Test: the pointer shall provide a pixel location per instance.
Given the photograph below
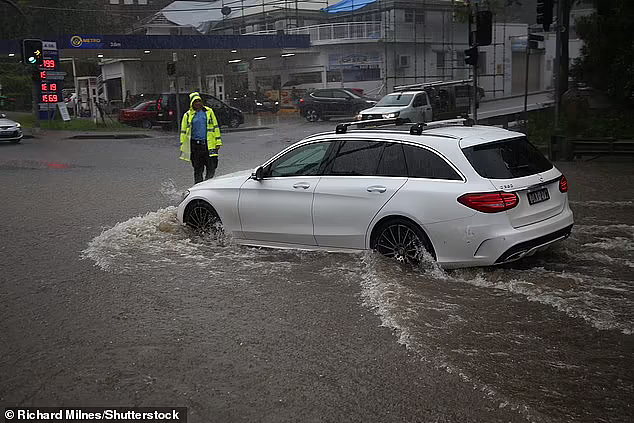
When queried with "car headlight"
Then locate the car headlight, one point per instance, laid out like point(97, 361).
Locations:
point(359, 117)
point(257, 103)
point(277, 102)
point(17, 125)
point(391, 115)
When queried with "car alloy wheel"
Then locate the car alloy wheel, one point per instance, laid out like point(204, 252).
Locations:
point(146, 124)
point(402, 240)
point(202, 218)
point(312, 115)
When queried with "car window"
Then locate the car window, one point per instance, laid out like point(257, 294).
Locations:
point(212, 102)
point(339, 94)
point(151, 107)
point(422, 163)
point(323, 93)
point(356, 158)
point(301, 161)
point(420, 100)
point(392, 162)
point(165, 101)
point(510, 158)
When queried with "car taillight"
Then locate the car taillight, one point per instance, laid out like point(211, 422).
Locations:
point(158, 104)
point(301, 101)
point(489, 202)
point(171, 112)
point(563, 184)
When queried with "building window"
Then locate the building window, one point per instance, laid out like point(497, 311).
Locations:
point(305, 78)
point(482, 63)
point(409, 16)
point(420, 17)
point(440, 60)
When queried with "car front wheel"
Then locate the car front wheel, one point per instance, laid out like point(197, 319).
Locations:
point(202, 218)
point(146, 124)
point(312, 115)
point(401, 240)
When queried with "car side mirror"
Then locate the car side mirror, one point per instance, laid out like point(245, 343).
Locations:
point(258, 175)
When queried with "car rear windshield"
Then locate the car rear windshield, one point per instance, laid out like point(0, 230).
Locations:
point(505, 159)
point(395, 100)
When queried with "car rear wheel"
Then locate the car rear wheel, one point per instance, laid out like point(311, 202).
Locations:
point(401, 240)
point(202, 218)
point(312, 115)
point(146, 124)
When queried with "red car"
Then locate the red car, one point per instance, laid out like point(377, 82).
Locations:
point(143, 114)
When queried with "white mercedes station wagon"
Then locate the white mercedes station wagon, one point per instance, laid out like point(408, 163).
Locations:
point(469, 195)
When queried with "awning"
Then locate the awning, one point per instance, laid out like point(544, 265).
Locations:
point(347, 6)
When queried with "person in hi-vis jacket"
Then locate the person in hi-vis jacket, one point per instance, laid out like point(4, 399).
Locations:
point(200, 138)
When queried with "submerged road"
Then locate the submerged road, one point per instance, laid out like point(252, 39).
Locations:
point(101, 308)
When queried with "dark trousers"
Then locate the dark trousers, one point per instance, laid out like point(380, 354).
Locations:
point(201, 160)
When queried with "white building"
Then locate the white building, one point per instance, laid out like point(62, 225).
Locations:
point(368, 44)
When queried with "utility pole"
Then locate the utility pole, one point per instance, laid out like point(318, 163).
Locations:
point(178, 103)
point(557, 76)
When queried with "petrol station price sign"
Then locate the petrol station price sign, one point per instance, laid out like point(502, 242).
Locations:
point(49, 85)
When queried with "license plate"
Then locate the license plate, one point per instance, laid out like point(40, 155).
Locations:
point(538, 196)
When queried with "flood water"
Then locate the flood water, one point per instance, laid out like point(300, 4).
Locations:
point(550, 336)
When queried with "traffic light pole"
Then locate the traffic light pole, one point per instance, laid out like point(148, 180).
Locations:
point(472, 40)
point(528, 55)
point(178, 103)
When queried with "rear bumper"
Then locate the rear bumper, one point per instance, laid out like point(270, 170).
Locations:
point(473, 243)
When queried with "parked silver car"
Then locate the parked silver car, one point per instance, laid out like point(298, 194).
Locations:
point(10, 130)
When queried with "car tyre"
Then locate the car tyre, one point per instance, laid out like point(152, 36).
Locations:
point(146, 124)
point(312, 115)
point(402, 240)
point(202, 218)
point(234, 122)
point(17, 141)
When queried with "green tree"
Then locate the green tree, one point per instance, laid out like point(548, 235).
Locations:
point(607, 56)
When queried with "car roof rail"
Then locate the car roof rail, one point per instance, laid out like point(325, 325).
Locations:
point(342, 128)
point(422, 86)
point(418, 128)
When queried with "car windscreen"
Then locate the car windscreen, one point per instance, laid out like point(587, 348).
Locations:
point(505, 159)
point(395, 100)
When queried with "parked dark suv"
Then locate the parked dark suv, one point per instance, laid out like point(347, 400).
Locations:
point(166, 105)
point(332, 102)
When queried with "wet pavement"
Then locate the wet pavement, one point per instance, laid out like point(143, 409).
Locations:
point(101, 307)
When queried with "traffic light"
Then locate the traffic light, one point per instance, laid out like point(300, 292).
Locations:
point(32, 52)
point(545, 13)
point(484, 28)
point(533, 41)
point(171, 68)
point(471, 56)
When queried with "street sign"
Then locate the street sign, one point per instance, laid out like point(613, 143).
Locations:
point(63, 111)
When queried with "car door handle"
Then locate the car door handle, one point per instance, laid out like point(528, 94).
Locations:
point(304, 185)
point(377, 188)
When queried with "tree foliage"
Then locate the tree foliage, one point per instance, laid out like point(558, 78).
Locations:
point(607, 56)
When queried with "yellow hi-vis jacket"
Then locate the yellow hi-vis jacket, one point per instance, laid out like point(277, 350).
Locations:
point(213, 130)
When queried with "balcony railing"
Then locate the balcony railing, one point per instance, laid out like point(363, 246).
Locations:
point(335, 32)
point(361, 31)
